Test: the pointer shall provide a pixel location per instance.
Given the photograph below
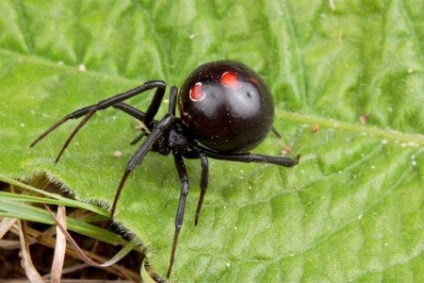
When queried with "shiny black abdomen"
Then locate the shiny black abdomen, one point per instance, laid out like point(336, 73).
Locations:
point(226, 106)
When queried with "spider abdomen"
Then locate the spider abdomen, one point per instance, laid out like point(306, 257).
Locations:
point(226, 106)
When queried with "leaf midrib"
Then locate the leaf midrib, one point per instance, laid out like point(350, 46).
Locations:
point(386, 135)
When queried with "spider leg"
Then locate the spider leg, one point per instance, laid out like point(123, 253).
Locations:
point(89, 111)
point(138, 157)
point(139, 137)
point(179, 218)
point(172, 100)
point(249, 157)
point(139, 115)
point(277, 133)
point(130, 110)
point(203, 185)
point(158, 129)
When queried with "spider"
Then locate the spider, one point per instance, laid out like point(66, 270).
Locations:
point(225, 111)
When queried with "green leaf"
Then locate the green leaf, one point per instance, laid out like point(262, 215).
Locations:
point(351, 210)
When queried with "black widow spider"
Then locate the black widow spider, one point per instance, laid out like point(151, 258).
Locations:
point(226, 110)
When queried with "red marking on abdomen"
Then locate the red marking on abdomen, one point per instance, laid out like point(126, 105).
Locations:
point(229, 79)
point(196, 93)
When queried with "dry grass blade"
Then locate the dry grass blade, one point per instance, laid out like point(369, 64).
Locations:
point(125, 250)
point(60, 247)
point(5, 225)
point(30, 270)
